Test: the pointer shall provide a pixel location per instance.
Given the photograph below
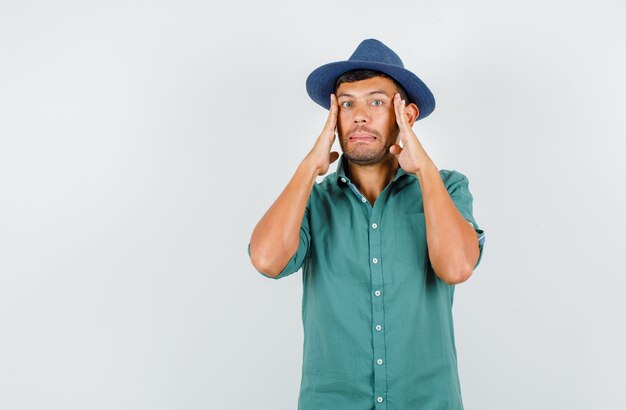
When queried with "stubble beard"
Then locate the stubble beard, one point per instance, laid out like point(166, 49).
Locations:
point(365, 154)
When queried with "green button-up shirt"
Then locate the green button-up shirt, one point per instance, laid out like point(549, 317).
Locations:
point(378, 331)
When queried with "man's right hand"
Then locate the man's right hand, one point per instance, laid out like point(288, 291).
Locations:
point(276, 237)
point(321, 156)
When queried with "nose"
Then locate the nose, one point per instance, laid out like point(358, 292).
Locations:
point(360, 115)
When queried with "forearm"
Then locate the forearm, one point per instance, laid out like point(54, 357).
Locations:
point(276, 237)
point(452, 242)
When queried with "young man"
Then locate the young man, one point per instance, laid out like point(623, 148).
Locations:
point(382, 242)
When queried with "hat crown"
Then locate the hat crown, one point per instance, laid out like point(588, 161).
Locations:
point(373, 55)
point(375, 51)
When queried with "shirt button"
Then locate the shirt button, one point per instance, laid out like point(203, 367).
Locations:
point(374, 226)
point(379, 399)
point(379, 361)
point(377, 293)
point(343, 180)
point(375, 260)
point(379, 327)
point(363, 199)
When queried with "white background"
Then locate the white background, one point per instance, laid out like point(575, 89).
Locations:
point(140, 142)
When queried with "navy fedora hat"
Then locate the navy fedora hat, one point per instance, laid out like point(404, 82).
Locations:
point(371, 54)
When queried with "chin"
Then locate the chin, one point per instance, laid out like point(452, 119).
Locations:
point(366, 158)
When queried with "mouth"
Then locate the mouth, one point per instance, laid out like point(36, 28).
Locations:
point(361, 136)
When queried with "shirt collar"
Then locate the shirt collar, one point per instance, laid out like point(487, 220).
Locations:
point(341, 171)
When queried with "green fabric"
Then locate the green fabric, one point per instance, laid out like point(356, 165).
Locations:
point(348, 363)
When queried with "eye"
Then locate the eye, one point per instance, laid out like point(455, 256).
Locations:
point(377, 103)
point(346, 104)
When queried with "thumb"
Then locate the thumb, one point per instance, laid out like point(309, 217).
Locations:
point(395, 149)
point(333, 157)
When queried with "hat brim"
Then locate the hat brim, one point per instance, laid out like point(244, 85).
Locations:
point(321, 83)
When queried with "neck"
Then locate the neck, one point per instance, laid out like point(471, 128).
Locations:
point(372, 179)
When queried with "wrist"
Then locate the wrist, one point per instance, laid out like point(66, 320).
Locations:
point(428, 168)
point(310, 166)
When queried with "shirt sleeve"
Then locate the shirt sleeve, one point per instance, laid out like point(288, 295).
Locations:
point(302, 253)
point(457, 185)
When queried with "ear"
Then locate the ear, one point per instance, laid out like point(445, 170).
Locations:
point(412, 113)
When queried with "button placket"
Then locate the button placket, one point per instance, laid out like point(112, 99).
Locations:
point(378, 315)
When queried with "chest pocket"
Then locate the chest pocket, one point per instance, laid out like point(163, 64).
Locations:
point(411, 240)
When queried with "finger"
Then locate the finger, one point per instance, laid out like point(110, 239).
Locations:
point(397, 105)
point(396, 108)
point(403, 119)
point(331, 120)
point(402, 125)
point(395, 149)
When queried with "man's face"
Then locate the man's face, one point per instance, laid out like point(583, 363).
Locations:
point(366, 122)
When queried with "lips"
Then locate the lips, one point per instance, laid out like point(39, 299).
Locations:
point(361, 136)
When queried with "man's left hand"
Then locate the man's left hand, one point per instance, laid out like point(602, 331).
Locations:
point(411, 155)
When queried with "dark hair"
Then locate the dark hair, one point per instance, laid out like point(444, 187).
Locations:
point(363, 74)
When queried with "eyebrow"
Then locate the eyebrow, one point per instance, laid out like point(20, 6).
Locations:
point(370, 93)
